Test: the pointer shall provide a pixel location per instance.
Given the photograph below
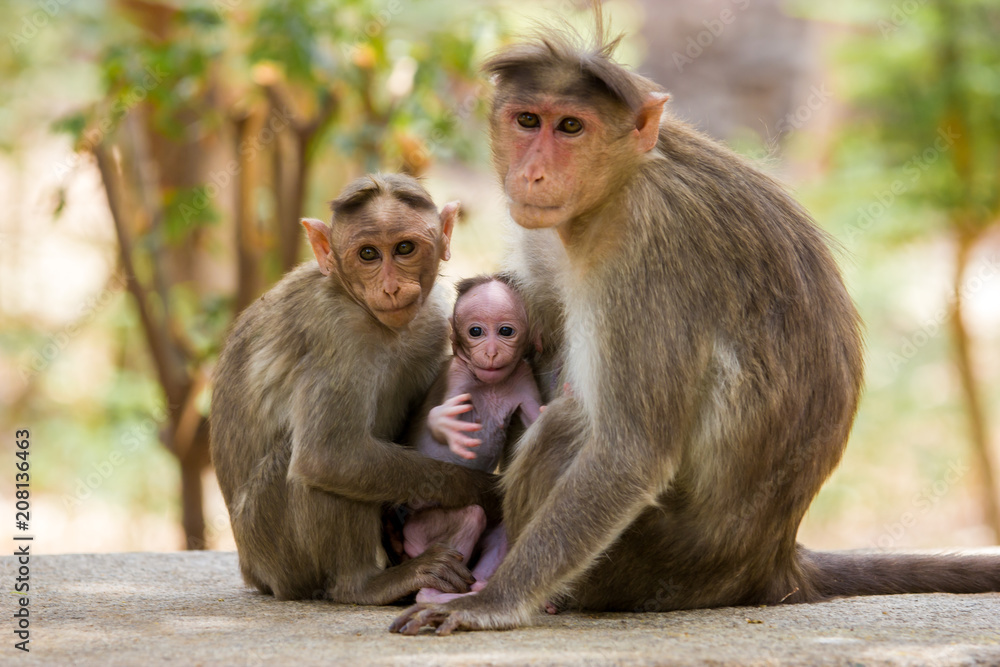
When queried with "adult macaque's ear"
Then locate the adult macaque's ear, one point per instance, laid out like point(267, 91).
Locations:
point(647, 121)
point(319, 239)
point(449, 214)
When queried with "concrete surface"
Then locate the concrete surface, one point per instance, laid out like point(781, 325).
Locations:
point(192, 608)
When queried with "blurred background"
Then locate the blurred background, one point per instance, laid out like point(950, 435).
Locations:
point(155, 158)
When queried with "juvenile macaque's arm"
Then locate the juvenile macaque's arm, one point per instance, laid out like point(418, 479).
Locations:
point(341, 456)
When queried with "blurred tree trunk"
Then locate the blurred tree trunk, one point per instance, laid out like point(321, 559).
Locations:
point(145, 168)
point(979, 431)
point(968, 222)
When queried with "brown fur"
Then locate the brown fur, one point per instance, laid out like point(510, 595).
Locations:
point(310, 393)
point(715, 359)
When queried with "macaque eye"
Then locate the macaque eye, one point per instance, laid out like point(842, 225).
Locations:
point(475, 332)
point(405, 248)
point(527, 120)
point(506, 331)
point(570, 126)
point(368, 254)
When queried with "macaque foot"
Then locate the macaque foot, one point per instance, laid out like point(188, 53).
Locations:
point(434, 596)
point(469, 612)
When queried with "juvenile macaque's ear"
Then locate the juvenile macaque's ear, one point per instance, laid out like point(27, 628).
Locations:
point(647, 121)
point(449, 214)
point(319, 238)
point(454, 336)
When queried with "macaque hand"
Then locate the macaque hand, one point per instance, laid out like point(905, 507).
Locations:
point(448, 430)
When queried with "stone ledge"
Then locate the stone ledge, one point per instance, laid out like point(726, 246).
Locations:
point(192, 608)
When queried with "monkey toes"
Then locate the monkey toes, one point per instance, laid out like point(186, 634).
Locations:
point(470, 612)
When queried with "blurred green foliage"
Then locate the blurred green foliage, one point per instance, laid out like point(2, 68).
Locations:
point(366, 84)
point(912, 176)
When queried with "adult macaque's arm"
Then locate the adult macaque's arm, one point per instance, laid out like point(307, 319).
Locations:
point(334, 450)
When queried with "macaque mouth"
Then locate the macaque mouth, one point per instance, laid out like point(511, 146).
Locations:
point(489, 373)
point(395, 309)
point(540, 207)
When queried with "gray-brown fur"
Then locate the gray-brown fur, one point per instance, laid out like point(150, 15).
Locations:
point(715, 360)
point(311, 392)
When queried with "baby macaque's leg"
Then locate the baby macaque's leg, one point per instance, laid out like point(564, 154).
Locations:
point(459, 529)
point(494, 548)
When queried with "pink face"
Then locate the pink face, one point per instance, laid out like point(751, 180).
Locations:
point(491, 331)
point(561, 158)
point(554, 157)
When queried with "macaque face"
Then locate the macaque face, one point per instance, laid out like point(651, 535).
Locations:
point(561, 156)
point(389, 262)
point(552, 154)
point(386, 255)
point(544, 147)
point(491, 332)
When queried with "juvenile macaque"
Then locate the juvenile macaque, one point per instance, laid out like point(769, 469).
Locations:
point(489, 382)
point(714, 354)
point(315, 386)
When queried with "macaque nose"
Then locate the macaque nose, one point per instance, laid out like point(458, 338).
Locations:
point(390, 285)
point(533, 172)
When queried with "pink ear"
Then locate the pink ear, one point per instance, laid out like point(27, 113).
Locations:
point(454, 337)
point(647, 121)
point(319, 239)
point(449, 214)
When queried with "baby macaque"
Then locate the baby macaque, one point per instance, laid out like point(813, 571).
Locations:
point(485, 384)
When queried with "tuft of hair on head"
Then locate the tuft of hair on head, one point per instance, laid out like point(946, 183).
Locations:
point(558, 52)
point(359, 193)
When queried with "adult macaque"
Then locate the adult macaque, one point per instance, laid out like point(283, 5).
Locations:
point(714, 354)
point(317, 380)
point(488, 381)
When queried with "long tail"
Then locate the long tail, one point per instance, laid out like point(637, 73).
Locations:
point(837, 574)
